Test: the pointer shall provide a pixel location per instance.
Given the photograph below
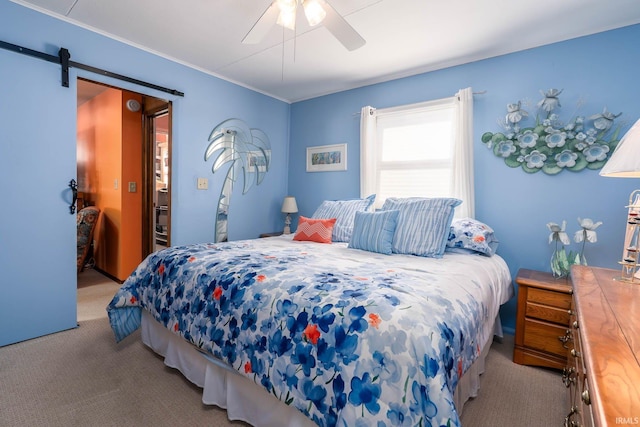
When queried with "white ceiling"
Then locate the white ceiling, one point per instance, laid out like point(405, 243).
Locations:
point(404, 37)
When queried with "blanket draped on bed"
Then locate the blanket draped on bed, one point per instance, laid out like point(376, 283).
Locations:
point(347, 337)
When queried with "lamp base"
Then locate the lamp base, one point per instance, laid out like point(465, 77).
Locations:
point(287, 223)
point(630, 273)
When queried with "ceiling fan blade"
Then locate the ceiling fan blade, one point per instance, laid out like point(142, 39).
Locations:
point(262, 25)
point(341, 29)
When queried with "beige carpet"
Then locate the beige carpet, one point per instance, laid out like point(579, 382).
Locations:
point(95, 291)
point(82, 378)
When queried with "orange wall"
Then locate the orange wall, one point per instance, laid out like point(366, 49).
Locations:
point(109, 157)
point(131, 231)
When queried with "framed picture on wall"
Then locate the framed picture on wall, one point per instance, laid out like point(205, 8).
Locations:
point(327, 158)
point(259, 159)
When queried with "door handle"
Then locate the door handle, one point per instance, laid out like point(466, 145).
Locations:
point(74, 189)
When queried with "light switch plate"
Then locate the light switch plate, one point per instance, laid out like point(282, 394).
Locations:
point(133, 187)
point(203, 183)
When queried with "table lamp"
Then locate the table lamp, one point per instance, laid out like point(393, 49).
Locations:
point(625, 163)
point(289, 206)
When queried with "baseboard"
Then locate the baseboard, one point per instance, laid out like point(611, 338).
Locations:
point(104, 273)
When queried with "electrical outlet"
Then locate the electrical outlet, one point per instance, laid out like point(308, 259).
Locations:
point(203, 184)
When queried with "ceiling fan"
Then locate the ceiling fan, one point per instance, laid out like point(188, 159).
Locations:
point(284, 13)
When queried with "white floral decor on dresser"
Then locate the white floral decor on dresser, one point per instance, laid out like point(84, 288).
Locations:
point(561, 262)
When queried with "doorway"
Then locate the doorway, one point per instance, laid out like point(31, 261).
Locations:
point(157, 166)
point(133, 188)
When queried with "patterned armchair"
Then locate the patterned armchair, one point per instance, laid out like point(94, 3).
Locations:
point(86, 224)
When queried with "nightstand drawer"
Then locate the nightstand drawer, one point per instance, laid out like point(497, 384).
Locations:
point(554, 299)
point(543, 316)
point(544, 336)
point(545, 312)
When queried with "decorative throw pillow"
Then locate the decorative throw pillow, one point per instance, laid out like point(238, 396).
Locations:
point(423, 224)
point(471, 236)
point(373, 231)
point(344, 211)
point(314, 230)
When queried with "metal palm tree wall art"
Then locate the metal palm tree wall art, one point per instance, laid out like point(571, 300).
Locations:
point(245, 149)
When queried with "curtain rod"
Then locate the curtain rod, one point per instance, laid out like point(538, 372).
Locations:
point(482, 92)
point(63, 60)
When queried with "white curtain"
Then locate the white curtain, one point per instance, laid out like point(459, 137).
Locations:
point(367, 151)
point(462, 171)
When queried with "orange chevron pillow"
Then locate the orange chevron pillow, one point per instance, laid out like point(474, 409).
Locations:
point(314, 230)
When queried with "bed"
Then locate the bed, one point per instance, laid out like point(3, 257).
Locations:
point(319, 333)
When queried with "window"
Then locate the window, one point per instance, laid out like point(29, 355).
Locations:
point(418, 150)
point(415, 152)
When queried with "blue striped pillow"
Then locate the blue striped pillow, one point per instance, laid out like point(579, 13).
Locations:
point(373, 231)
point(344, 211)
point(423, 224)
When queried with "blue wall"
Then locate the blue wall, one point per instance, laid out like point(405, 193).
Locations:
point(208, 101)
point(601, 69)
point(39, 294)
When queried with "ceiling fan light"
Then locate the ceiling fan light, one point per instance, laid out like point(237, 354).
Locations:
point(287, 19)
point(287, 6)
point(314, 11)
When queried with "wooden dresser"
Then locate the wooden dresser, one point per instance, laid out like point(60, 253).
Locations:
point(542, 320)
point(603, 372)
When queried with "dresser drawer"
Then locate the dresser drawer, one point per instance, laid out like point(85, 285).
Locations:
point(545, 312)
point(550, 298)
point(544, 336)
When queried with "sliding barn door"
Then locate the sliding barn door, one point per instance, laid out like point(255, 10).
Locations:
point(37, 230)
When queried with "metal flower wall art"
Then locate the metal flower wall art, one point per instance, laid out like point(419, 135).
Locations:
point(549, 144)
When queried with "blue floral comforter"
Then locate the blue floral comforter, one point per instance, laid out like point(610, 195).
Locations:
point(348, 337)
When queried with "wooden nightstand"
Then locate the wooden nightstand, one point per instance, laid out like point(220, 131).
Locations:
point(542, 320)
point(275, 233)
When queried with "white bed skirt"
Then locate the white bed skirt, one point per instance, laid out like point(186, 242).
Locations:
point(227, 389)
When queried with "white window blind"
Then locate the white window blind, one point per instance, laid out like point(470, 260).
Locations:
point(415, 152)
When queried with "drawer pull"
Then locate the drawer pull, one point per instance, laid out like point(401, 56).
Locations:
point(575, 324)
point(568, 376)
point(564, 339)
point(575, 353)
point(585, 397)
point(568, 422)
